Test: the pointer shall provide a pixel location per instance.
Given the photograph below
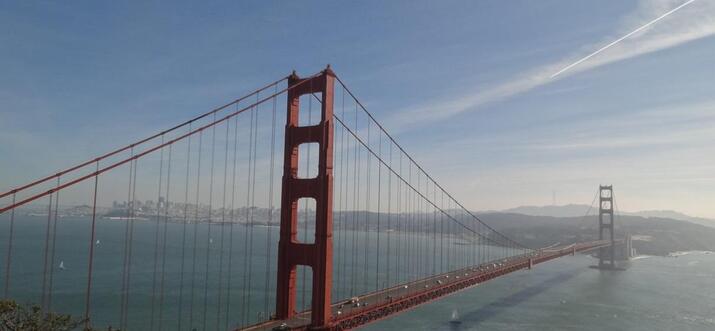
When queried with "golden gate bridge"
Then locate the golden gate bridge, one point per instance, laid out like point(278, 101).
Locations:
point(354, 231)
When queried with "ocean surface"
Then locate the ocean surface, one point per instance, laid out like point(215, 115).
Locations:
point(654, 293)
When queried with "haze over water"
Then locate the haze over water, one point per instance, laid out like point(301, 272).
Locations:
point(655, 293)
point(354, 275)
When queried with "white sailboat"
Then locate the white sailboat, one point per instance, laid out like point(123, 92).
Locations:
point(62, 265)
point(97, 243)
point(455, 318)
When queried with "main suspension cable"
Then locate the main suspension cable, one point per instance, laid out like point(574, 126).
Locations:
point(418, 166)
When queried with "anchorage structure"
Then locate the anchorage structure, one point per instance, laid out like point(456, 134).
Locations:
point(606, 255)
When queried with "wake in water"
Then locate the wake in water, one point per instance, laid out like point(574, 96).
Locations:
point(640, 257)
point(683, 253)
point(455, 318)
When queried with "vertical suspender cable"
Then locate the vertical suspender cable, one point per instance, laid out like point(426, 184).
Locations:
point(407, 225)
point(54, 245)
point(450, 241)
point(163, 241)
point(404, 214)
point(244, 292)
point(356, 205)
point(435, 230)
point(425, 229)
point(196, 233)
point(180, 315)
point(88, 293)
point(379, 191)
point(441, 234)
point(409, 214)
point(253, 206)
point(415, 228)
point(233, 220)
point(400, 229)
point(223, 225)
point(422, 257)
point(8, 259)
point(417, 205)
point(417, 234)
point(346, 194)
point(47, 245)
point(429, 230)
point(410, 243)
point(368, 163)
point(269, 244)
point(349, 226)
point(156, 235)
point(130, 242)
point(208, 230)
point(357, 214)
point(389, 218)
point(341, 211)
point(126, 242)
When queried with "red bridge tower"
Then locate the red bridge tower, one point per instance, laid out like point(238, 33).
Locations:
point(291, 253)
point(606, 255)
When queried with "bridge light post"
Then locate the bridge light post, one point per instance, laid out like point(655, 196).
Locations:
point(291, 253)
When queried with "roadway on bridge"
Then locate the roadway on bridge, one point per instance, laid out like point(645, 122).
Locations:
point(378, 305)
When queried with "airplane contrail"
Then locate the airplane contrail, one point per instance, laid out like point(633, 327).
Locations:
point(621, 38)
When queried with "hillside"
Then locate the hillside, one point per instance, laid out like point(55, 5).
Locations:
point(652, 236)
point(575, 210)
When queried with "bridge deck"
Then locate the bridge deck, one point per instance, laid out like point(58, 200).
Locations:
point(378, 305)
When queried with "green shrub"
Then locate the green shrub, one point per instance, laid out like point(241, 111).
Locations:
point(14, 316)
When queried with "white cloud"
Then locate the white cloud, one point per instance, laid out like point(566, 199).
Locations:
point(693, 22)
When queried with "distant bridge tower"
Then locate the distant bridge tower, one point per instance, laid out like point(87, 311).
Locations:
point(606, 255)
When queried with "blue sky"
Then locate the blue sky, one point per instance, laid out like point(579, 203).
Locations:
point(81, 78)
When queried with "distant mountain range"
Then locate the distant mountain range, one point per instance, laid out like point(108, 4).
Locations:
point(576, 210)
